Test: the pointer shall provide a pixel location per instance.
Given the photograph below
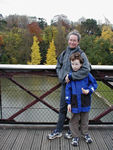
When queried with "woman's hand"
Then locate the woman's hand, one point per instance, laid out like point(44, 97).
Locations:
point(67, 79)
point(69, 107)
point(85, 91)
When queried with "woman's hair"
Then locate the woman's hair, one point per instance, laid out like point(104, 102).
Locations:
point(75, 56)
point(74, 32)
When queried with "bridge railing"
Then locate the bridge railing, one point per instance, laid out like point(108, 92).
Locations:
point(31, 94)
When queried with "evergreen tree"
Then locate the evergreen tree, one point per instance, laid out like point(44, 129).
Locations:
point(51, 54)
point(35, 54)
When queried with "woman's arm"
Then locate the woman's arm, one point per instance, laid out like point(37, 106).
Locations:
point(83, 71)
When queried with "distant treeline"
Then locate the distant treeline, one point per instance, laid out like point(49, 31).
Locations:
point(20, 36)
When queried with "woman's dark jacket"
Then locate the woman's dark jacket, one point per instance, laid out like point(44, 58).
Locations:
point(64, 67)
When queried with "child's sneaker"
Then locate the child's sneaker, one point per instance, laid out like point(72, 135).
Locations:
point(88, 139)
point(75, 141)
point(54, 135)
point(68, 135)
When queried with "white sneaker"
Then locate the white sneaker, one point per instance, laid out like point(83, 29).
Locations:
point(88, 139)
point(68, 135)
point(75, 141)
point(54, 135)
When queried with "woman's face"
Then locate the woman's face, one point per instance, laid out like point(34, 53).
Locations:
point(73, 41)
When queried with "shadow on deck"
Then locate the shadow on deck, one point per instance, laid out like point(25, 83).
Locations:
point(35, 138)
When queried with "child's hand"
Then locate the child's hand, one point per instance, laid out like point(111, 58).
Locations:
point(67, 79)
point(85, 91)
point(69, 107)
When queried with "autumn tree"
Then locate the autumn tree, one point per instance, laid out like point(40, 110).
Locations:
point(35, 30)
point(51, 54)
point(3, 56)
point(49, 33)
point(35, 54)
point(17, 21)
point(97, 50)
point(17, 46)
point(107, 33)
point(101, 53)
point(12, 43)
point(63, 19)
point(1, 40)
point(3, 25)
point(60, 40)
point(25, 48)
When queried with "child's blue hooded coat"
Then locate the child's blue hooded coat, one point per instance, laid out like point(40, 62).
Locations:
point(74, 96)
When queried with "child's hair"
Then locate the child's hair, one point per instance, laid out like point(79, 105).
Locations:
point(75, 56)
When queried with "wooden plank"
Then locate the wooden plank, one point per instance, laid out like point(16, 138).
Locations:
point(27, 143)
point(93, 145)
point(107, 137)
point(1, 132)
point(10, 140)
point(110, 132)
point(83, 145)
point(4, 135)
point(99, 140)
point(46, 144)
point(55, 144)
point(19, 140)
point(37, 141)
point(65, 143)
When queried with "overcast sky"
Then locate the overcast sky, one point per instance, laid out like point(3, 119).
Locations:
point(47, 9)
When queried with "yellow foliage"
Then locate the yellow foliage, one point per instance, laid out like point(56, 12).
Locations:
point(29, 63)
point(51, 54)
point(35, 54)
point(14, 61)
point(107, 33)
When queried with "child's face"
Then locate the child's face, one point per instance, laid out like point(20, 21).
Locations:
point(76, 65)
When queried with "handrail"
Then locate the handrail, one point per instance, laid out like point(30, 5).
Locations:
point(27, 67)
point(48, 67)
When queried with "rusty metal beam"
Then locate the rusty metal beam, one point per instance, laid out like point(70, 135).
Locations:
point(35, 101)
point(97, 118)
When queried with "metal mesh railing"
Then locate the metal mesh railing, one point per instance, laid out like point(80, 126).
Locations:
point(33, 96)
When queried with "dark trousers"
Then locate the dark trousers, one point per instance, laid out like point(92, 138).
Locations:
point(62, 111)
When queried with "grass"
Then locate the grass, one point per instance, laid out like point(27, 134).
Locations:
point(105, 91)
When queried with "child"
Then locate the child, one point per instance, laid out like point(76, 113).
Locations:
point(78, 97)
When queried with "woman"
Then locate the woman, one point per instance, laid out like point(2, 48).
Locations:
point(63, 68)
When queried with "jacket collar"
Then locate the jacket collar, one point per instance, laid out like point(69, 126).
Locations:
point(75, 49)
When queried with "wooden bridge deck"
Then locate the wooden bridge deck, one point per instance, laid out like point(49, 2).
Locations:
point(36, 139)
